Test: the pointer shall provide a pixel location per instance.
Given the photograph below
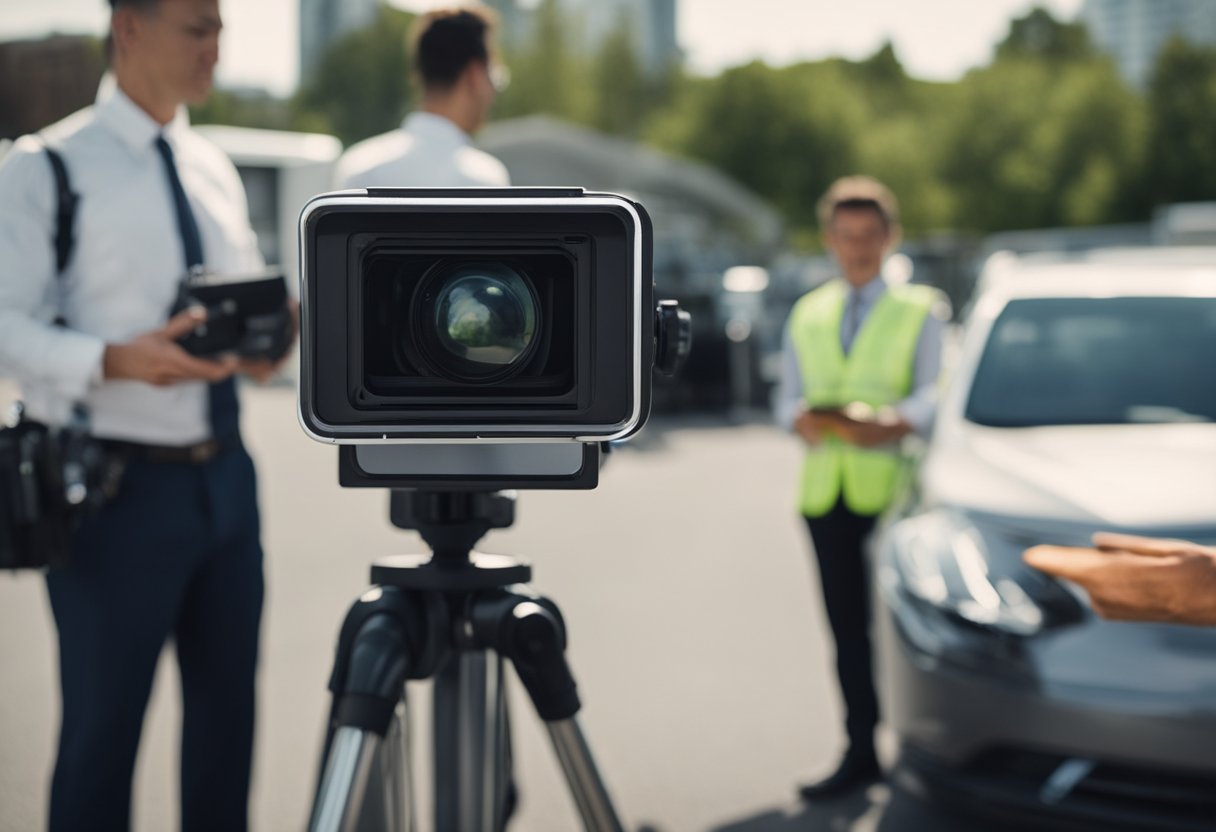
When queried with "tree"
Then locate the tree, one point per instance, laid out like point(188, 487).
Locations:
point(786, 134)
point(1182, 140)
point(362, 85)
point(1039, 35)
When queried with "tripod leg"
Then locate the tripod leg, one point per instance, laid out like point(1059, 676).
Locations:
point(373, 659)
point(529, 631)
point(471, 744)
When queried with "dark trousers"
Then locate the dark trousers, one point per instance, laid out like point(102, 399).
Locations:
point(175, 555)
point(839, 537)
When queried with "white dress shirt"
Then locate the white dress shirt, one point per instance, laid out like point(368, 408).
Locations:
point(920, 406)
point(125, 268)
point(428, 151)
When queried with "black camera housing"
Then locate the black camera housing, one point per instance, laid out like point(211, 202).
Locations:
point(559, 296)
point(246, 314)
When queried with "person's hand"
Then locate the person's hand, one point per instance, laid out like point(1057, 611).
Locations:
point(1132, 578)
point(157, 358)
point(863, 426)
point(809, 426)
point(263, 370)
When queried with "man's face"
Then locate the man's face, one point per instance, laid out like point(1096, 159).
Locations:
point(177, 44)
point(858, 238)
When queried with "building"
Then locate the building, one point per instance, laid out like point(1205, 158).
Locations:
point(651, 25)
point(1133, 31)
point(42, 81)
point(324, 21)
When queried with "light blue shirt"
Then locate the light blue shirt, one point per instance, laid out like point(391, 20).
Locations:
point(918, 409)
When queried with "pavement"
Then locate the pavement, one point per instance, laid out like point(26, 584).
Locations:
point(696, 635)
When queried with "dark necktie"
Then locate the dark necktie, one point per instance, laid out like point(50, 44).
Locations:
point(223, 411)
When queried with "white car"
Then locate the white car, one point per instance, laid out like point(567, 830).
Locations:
point(1084, 399)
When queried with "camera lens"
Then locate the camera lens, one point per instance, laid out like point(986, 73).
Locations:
point(476, 322)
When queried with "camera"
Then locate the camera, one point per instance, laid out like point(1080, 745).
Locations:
point(478, 336)
point(246, 314)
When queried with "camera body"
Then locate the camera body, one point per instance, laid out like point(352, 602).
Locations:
point(246, 314)
point(505, 319)
point(512, 329)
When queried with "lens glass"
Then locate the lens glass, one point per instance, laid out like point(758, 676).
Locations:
point(486, 317)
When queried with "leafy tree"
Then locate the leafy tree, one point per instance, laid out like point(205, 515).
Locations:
point(783, 133)
point(362, 85)
point(1040, 36)
point(1182, 140)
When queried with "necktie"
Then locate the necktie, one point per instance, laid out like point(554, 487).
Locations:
point(223, 411)
point(852, 321)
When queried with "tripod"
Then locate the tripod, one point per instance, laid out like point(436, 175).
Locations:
point(454, 618)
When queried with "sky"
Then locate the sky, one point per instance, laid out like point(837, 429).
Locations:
point(935, 39)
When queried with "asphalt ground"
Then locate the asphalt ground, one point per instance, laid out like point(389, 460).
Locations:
point(696, 635)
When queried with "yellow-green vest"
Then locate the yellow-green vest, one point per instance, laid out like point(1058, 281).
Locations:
point(877, 371)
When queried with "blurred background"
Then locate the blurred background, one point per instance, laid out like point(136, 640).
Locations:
point(1000, 125)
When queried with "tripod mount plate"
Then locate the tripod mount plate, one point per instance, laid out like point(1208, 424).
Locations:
point(479, 572)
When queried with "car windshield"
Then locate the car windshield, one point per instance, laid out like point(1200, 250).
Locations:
point(1091, 361)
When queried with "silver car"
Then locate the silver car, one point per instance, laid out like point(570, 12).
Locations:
point(1084, 399)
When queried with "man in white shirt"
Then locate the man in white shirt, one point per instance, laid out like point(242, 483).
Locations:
point(453, 58)
point(176, 553)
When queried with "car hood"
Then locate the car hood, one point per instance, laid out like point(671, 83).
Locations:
point(1116, 476)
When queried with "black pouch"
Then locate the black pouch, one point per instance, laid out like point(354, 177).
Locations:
point(51, 479)
point(246, 314)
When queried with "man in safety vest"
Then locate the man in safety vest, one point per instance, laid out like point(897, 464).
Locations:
point(860, 372)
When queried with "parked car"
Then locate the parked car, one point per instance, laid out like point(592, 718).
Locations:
point(1084, 400)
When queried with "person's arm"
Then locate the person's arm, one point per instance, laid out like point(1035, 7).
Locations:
point(65, 360)
point(1132, 578)
point(31, 348)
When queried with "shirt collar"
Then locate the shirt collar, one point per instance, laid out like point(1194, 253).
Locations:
point(434, 127)
point(870, 292)
point(127, 120)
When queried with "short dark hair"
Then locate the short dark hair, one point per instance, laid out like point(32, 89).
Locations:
point(852, 193)
point(445, 41)
point(142, 5)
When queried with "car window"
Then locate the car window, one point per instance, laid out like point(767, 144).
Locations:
point(1083, 361)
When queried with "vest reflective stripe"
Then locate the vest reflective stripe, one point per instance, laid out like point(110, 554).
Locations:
point(877, 371)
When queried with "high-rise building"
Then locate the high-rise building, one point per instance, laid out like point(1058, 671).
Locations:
point(1133, 31)
point(324, 21)
point(651, 25)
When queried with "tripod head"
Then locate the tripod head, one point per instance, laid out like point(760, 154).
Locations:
point(451, 522)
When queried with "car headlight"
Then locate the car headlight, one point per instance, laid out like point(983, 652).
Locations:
point(941, 559)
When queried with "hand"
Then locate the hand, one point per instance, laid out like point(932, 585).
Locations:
point(1138, 578)
point(157, 358)
point(865, 427)
point(810, 426)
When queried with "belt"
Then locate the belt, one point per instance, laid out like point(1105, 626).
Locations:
point(200, 453)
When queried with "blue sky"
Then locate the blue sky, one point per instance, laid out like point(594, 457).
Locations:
point(936, 39)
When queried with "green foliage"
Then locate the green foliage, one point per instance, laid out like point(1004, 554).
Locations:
point(1040, 36)
point(362, 86)
point(1032, 145)
point(1182, 141)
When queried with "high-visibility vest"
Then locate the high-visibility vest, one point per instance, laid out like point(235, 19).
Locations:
point(877, 371)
